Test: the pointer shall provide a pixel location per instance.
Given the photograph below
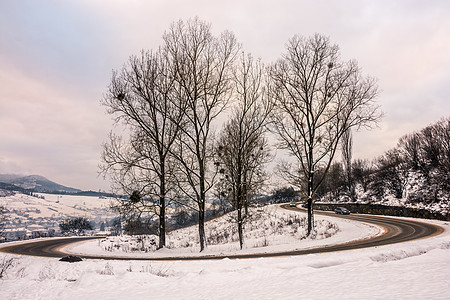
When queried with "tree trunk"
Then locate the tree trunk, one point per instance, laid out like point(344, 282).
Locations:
point(239, 202)
point(245, 194)
point(162, 205)
point(310, 216)
point(310, 202)
point(201, 202)
point(241, 238)
point(201, 224)
point(162, 222)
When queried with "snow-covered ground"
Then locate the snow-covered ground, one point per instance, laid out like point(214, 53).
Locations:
point(53, 205)
point(274, 230)
point(413, 270)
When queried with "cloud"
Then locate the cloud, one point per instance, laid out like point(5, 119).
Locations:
point(50, 129)
point(56, 59)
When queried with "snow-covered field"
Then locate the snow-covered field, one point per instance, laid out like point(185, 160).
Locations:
point(413, 270)
point(53, 205)
point(44, 212)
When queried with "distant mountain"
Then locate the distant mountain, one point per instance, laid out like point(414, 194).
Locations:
point(34, 183)
point(12, 187)
point(7, 177)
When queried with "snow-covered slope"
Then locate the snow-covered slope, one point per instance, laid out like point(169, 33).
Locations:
point(47, 210)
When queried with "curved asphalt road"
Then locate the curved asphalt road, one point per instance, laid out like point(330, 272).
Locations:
point(396, 231)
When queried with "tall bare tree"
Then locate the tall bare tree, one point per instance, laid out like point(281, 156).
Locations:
point(346, 151)
point(141, 96)
point(318, 98)
point(361, 171)
point(242, 147)
point(203, 83)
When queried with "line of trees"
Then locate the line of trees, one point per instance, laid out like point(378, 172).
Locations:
point(75, 225)
point(417, 170)
point(242, 147)
point(172, 98)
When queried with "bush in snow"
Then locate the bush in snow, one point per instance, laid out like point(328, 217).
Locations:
point(107, 270)
point(5, 264)
point(138, 243)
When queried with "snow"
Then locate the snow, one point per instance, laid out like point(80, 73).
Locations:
point(413, 270)
point(47, 210)
point(52, 205)
point(284, 237)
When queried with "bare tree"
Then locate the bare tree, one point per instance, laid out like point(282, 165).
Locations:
point(409, 146)
point(390, 175)
point(242, 147)
point(318, 98)
point(203, 83)
point(346, 149)
point(334, 184)
point(142, 96)
point(361, 171)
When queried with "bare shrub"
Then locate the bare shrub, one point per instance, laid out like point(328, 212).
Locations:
point(5, 264)
point(47, 272)
point(108, 270)
point(21, 273)
point(161, 271)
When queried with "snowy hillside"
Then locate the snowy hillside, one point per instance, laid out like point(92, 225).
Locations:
point(415, 174)
point(48, 210)
point(414, 184)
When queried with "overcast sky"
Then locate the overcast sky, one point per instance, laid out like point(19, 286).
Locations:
point(56, 59)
